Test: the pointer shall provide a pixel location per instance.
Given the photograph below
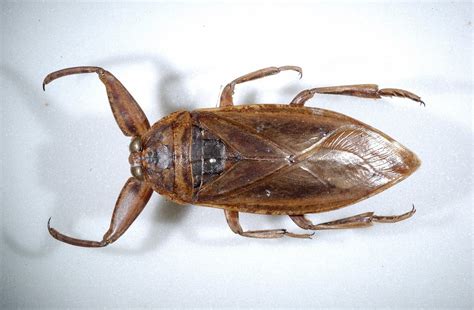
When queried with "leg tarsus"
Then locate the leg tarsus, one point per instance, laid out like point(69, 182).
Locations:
point(69, 71)
point(74, 241)
point(394, 218)
point(395, 92)
point(228, 91)
point(232, 218)
point(356, 221)
point(131, 201)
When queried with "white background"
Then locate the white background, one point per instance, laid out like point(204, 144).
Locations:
point(63, 155)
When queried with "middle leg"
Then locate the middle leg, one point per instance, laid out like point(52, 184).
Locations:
point(232, 218)
point(228, 92)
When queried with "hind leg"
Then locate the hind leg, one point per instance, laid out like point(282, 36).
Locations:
point(356, 221)
point(362, 90)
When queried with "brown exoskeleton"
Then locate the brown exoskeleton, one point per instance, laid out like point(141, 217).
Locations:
point(267, 159)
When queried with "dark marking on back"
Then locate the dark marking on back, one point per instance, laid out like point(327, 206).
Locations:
point(209, 156)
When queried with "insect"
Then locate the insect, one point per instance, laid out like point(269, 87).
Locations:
point(274, 159)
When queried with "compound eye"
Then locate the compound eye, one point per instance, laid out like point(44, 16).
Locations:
point(137, 172)
point(136, 145)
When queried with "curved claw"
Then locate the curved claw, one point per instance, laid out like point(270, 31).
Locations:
point(293, 68)
point(73, 241)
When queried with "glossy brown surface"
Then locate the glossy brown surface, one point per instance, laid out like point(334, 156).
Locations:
point(267, 159)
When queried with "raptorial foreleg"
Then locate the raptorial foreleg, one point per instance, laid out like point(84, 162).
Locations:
point(128, 114)
point(131, 201)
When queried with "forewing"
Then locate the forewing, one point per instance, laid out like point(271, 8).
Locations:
point(292, 129)
point(246, 140)
point(257, 155)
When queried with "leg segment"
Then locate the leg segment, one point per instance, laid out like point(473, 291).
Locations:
point(357, 221)
point(128, 114)
point(363, 90)
point(228, 92)
point(232, 218)
point(131, 201)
